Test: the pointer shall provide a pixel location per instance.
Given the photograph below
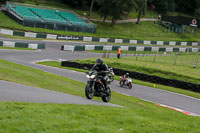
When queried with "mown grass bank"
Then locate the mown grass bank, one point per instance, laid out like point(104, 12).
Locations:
point(178, 67)
point(139, 82)
point(135, 116)
point(145, 31)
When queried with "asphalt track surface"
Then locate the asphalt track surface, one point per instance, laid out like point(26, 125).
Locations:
point(16, 92)
point(53, 52)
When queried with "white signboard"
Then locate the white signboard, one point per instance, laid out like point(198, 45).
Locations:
point(169, 49)
point(183, 43)
point(155, 49)
point(6, 32)
point(30, 34)
point(172, 43)
point(139, 48)
point(8, 44)
point(50, 36)
point(68, 48)
point(160, 42)
point(124, 48)
point(147, 42)
point(89, 47)
point(133, 41)
point(107, 48)
point(33, 46)
point(118, 41)
point(182, 49)
point(103, 40)
point(87, 39)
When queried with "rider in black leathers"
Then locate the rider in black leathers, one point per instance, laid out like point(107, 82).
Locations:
point(102, 69)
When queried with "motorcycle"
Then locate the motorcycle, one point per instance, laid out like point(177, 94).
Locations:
point(127, 82)
point(95, 87)
point(111, 75)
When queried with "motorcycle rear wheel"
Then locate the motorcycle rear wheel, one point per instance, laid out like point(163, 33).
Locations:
point(121, 83)
point(89, 93)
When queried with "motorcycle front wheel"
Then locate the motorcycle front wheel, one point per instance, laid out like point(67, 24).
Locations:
point(107, 97)
point(130, 86)
point(89, 93)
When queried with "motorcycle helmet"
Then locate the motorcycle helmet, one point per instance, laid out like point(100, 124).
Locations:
point(127, 74)
point(99, 61)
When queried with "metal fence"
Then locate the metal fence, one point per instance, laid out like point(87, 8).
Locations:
point(182, 59)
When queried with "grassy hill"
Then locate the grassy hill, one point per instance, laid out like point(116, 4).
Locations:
point(135, 116)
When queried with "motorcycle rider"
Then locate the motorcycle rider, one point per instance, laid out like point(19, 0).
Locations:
point(125, 77)
point(102, 69)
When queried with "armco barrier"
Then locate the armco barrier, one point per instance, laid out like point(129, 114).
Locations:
point(22, 45)
point(127, 48)
point(95, 39)
point(142, 76)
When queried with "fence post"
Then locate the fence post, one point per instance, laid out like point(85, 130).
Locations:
point(136, 57)
point(154, 60)
point(104, 54)
point(108, 55)
point(175, 58)
point(196, 62)
point(197, 58)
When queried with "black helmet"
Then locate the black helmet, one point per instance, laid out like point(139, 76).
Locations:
point(99, 61)
point(127, 74)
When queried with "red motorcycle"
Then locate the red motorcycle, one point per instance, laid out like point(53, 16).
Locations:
point(125, 82)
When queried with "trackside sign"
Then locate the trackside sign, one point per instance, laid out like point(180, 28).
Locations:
point(68, 38)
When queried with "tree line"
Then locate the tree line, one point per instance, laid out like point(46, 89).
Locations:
point(115, 9)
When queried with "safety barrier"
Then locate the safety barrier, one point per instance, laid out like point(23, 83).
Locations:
point(22, 45)
point(96, 39)
point(127, 48)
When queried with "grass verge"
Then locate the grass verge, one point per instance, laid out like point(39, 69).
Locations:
point(178, 67)
point(136, 115)
point(139, 82)
point(16, 48)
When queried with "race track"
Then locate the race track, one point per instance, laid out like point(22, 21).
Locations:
point(53, 52)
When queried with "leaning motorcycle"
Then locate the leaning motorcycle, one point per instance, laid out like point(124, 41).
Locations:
point(127, 82)
point(111, 75)
point(95, 87)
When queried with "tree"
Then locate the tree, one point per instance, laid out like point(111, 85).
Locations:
point(90, 12)
point(185, 6)
point(105, 8)
point(115, 8)
point(171, 5)
point(81, 4)
point(197, 9)
point(141, 6)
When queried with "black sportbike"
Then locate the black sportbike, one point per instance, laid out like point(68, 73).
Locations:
point(95, 87)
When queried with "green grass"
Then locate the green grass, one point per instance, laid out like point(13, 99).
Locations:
point(16, 48)
point(140, 117)
point(37, 78)
point(139, 82)
point(136, 116)
point(163, 67)
point(144, 31)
